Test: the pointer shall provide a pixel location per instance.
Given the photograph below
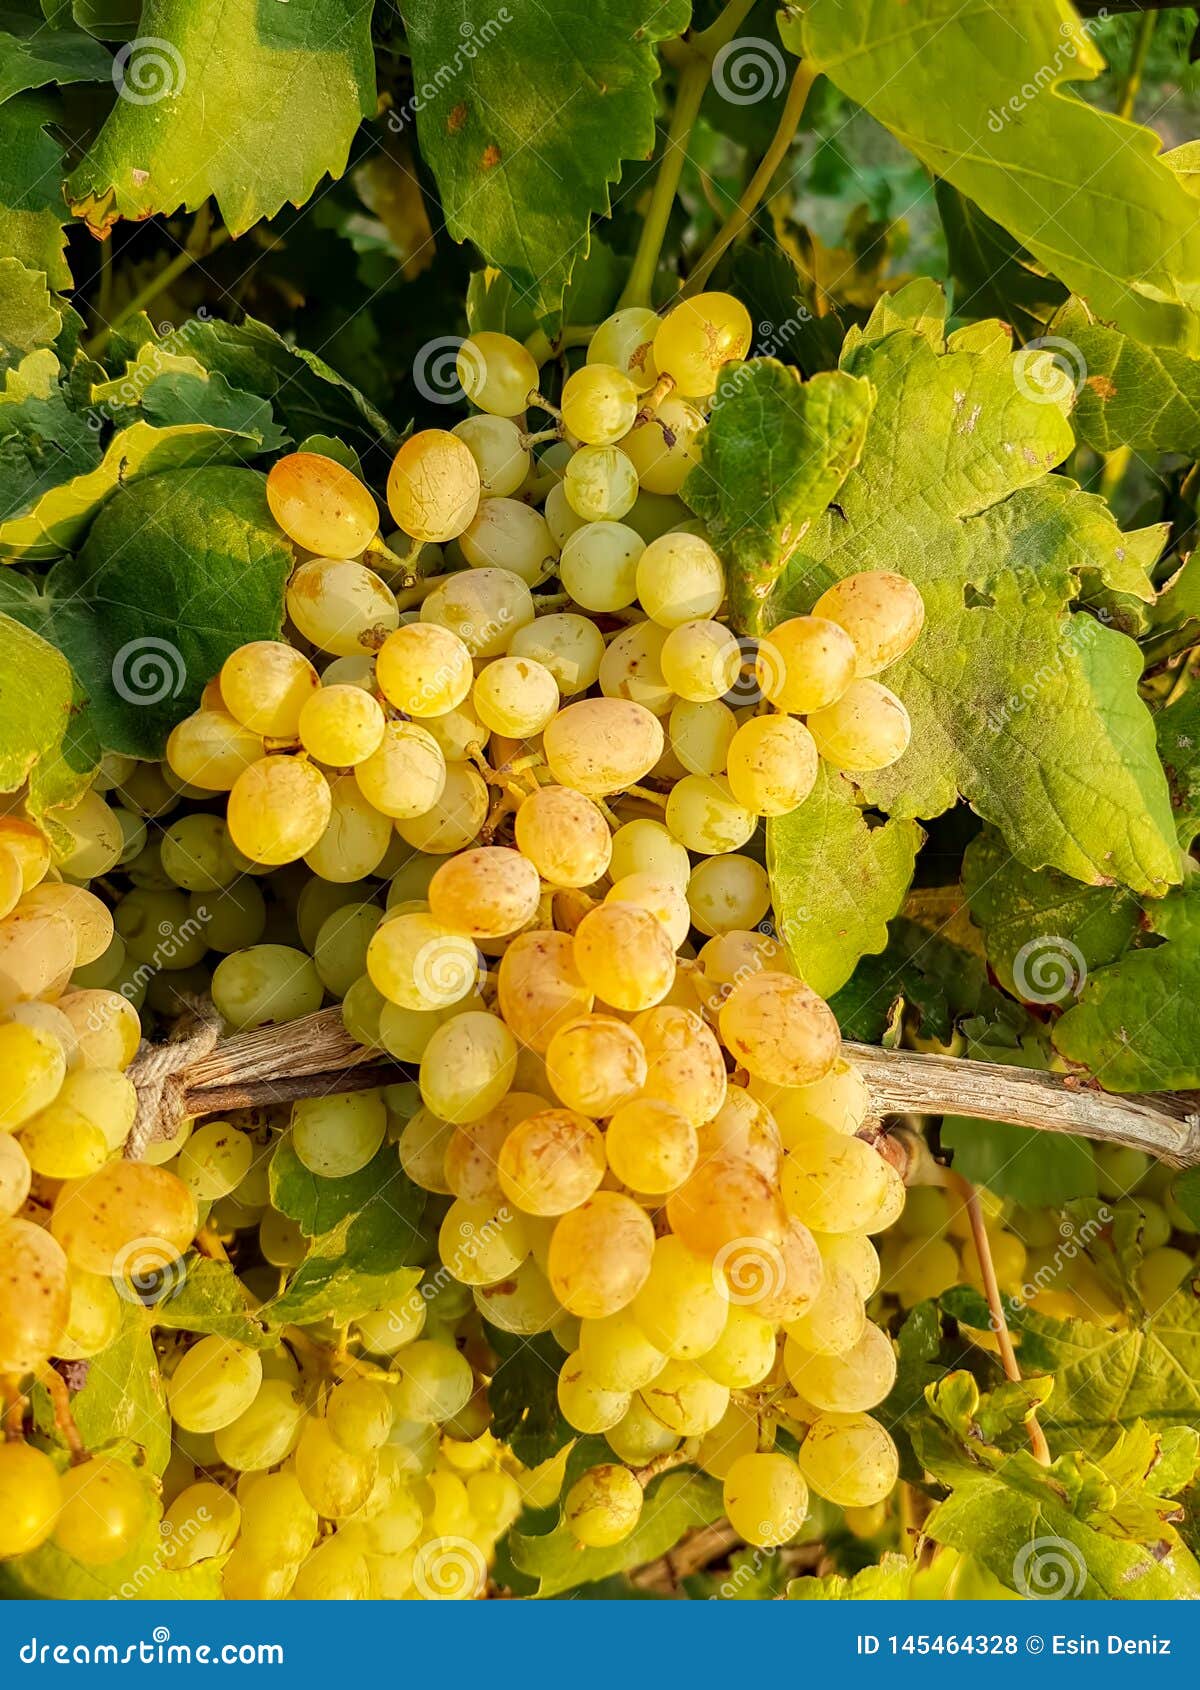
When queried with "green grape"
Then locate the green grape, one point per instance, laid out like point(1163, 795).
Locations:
point(772, 764)
point(215, 1381)
point(148, 789)
point(265, 985)
point(433, 486)
point(540, 989)
point(484, 607)
point(341, 725)
point(281, 1240)
point(600, 484)
point(663, 450)
point(158, 929)
point(357, 671)
point(455, 819)
point(645, 847)
point(15, 1175)
point(601, 745)
point(523, 1302)
point(685, 1399)
point(569, 646)
point(340, 606)
point(35, 1298)
point(683, 1305)
point(600, 1255)
point(404, 1033)
point(362, 1010)
point(587, 1405)
point(480, 1244)
point(265, 685)
point(867, 728)
point(625, 956)
point(679, 579)
point(701, 734)
point(201, 1522)
point(278, 1521)
point(508, 534)
point(638, 1437)
point(30, 1496)
point(700, 660)
point(278, 810)
point(882, 612)
point(501, 458)
point(564, 835)
point(497, 373)
point(595, 1064)
point(1119, 1169)
point(603, 1506)
point(340, 953)
point(779, 1029)
point(424, 669)
point(704, 816)
point(515, 696)
point(599, 404)
point(849, 1459)
point(848, 1383)
point(617, 1354)
point(834, 1183)
point(1160, 1274)
point(404, 776)
point(232, 919)
point(833, 1323)
point(321, 505)
point(728, 893)
point(34, 1065)
point(651, 1146)
point(334, 1481)
point(422, 1147)
point(468, 1065)
point(336, 1135)
point(435, 1383)
point(359, 1414)
point(105, 1508)
point(551, 1162)
point(766, 1498)
point(215, 1159)
point(625, 340)
point(630, 668)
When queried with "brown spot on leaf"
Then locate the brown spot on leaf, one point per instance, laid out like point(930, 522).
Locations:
point(456, 119)
point(491, 156)
point(1102, 386)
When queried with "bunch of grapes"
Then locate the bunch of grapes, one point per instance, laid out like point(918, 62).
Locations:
point(499, 799)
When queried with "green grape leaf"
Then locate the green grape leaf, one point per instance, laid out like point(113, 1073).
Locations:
point(28, 316)
point(675, 1504)
point(1185, 1189)
point(994, 276)
point(1043, 931)
point(890, 1581)
point(35, 701)
point(836, 881)
point(1179, 747)
point(526, 124)
point(307, 395)
point(123, 1398)
point(32, 211)
point(182, 397)
point(58, 519)
point(109, 20)
point(984, 100)
point(523, 1396)
point(362, 1262)
point(753, 1575)
point(1136, 1026)
point(775, 453)
point(318, 1205)
point(1144, 397)
point(145, 1573)
point(211, 1298)
point(1025, 708)
point(38, 55)
point(1042, 1170)
point(248, 103)
point(177, 571)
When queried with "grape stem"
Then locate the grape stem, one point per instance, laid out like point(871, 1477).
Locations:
point(64, 1420)
point(14, 1411)
point(747, 205)
point(995, 1303)
point(693, 80)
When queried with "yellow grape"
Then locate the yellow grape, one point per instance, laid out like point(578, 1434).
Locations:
point(405, 775)
point(595, 1064)
point(685, 1399)
point(645, 847)
point(727, 893)
point(16, 1176)
point(488, 892)
point(481, 1244)
point(551, 1161)
point(701, 660)
point(725, 1201)
point(30, 1497)
point(424, 670)
point(630, 668)
point(564, 835)
point(625, 955)
point(599, 404)
point(744, 1129)
point(29, 845)
point(515, 696)
point(510, 535)
point(468, 1065)
point(495, 444)
point(356, 837)
point(433, 486)
point(128, 1219)
point(265, 685)
point(703, 814)
point(679, 579)
point(35, 1298)
point(341, 606)
point(834, 1321)
point(497, 373)
point(805, 664)
point(867, 728)
point(626, 341)
point(215, 1382)
point(278, 809)
point(601, 745)
point(455, 819)
point(779, 1029)
point(699, 336)
point(766, 1498)
point(772, 764)
point(321, 505)
point(849, 1459)
point(34, 1065)
point(587, 1405)
point(663, 450)
point(91, 919)
point(470, 1165)
point(485, 607)
point(600, 484)
point(570, 646)
point(94, 1318)
point(683, 1305)
point(37, 955)
point(211, 748)
point(834, 1183)
point(107, 1027)
point(106, 1506)
point(598, 567)
point(843, 1384)
point(617, 1354)
point(881, 611)
point(744, 1354)
point(334, 1482)
point(603, 1506)
point(600, 1255)
point(652, 1147)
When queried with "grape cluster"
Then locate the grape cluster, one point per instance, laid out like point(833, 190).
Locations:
point(500, 798)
